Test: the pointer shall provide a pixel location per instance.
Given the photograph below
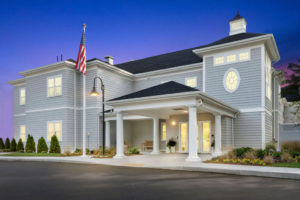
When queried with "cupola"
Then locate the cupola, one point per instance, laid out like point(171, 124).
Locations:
point(237, 25)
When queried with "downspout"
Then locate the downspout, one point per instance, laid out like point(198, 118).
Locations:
point(75, 113)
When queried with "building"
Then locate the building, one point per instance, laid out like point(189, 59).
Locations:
point(209, 99)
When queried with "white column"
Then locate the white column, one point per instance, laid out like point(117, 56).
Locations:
point(193, 155)
point(120, 136)
point(155, 136)
point(218, 136)
point(107, 134)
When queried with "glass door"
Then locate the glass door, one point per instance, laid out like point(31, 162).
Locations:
point(183, 145)
point(203, 137)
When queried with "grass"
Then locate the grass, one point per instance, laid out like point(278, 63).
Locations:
point(292, 165)
point(33, 154)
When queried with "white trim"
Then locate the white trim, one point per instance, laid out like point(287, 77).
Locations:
point(192, 77)
point(54, 87)
point(19, 115)
point(229, 53)
point(23, 88)
point(238, 81)
point(58, 108)
point(263, 130)
point(255, 109)
point(128, 117)
point(55, 121)
point(203, 73)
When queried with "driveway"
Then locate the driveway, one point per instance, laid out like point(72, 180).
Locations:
point(48, 180)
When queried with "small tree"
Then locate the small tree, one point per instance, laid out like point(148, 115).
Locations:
point(30, 145)
point(42, 146)
point(7, 143)
point(1, 144)
point(20, 146)
point(54, 145)
point(13, 145)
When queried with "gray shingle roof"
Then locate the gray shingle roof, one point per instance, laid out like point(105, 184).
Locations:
point(170, 87)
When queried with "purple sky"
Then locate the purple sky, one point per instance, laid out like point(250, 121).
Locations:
point(33, 33)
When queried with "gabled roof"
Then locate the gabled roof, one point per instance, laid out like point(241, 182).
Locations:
point(177, 58)
point(170, 87)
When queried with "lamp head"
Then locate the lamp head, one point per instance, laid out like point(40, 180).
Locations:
point(94, 92)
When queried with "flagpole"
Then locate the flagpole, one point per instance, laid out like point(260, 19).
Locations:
point(83, 111)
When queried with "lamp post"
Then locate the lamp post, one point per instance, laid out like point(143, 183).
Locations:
point(95, 93)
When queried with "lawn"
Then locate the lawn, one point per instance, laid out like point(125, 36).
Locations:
point(33, 154)
point(292, 165)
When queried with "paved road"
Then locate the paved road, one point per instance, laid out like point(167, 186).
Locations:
point(55, 181)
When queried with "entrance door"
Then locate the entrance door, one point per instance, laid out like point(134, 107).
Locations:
point(204, 137)
point(183, 145)
point(163, 136)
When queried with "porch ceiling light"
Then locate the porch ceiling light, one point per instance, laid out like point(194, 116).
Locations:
point(173, 123)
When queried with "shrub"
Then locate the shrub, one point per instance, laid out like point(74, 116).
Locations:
point(67, 153)
point(294, 154)
point(30, 145)
point(290, 146)
point(20, 146)
point(7, 144)
point(42, 146)
point(231, 155)
point(13, 145)
point(239, 152)
point(77, 150)
point(250, 155)
point(171, 143)
point(268, 160)
point(285, 157)
point(54, 145)
point(277, 155)
point(133, 150)
point(260, 153)
point(1, 144)
point(270, 148)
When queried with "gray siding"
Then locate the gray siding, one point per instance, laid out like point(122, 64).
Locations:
point(268, 125)
point(19, 109)
point(18, 121)
point(227, 136)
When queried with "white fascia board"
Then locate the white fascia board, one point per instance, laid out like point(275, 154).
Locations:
point(111, 68)
point(127, 117)
point(182, 68)
point(20, 81)
point(268, 39)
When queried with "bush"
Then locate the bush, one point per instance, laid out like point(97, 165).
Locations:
point(77, 150)
point(268, 160)
point(250, 155)
point(285, 157)
point(171, 143)
point(54, 145)
point(231, 155)
point(270, 148)
point(239, 152)
point(1, 144)
point(7, 144)
point(30, 145)
point(13, 145)
point(294, 154)
point(290, 146)
point(133, 150)
point(42, 146)
point(260, 153)
point(277, 155)
point(20, 146)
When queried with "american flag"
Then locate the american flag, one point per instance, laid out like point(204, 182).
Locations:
point(81, 59)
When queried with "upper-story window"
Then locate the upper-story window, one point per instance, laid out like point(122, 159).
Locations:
point(23, 133)
point(191, 82)
point(54, 86)
point(268, 78)
point(22, 96)
point(54, 128)
point(232, 57)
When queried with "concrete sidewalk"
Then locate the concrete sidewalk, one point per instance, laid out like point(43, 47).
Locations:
point(173, 162)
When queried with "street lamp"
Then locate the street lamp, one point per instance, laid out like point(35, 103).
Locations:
point(94, 93)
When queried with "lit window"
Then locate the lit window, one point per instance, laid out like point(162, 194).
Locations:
point(163, 131)
point(231, 58)
point(23, 133)
point(191, 82)
point(22, 96)
point(268, 78)
point(219, 60)
point(231, 80)
point(54, 128)
point(54, 86)
point(244, 56)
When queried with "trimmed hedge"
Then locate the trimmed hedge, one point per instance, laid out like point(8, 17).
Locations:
point(7, 144)
point(20, 146)
point(42, 146)
point(1, 144)
point(54, 145)
point(13, 145)
point(30, 145)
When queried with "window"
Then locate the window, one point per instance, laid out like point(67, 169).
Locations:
point(23, 133)
point(163, 131)
point(22, 96)
point(219, 60)
point(54, 86)
point(191, 82)
point(244, 56)
point(55, 128)
point(231, 80)
point(231, 58)
point(268, 78)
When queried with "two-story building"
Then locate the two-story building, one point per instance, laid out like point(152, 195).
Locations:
point(209, 98)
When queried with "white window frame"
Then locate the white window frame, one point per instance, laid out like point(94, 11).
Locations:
point(20, 133)
point(193, 77)
point(229, 53)
point(238, 81)
point(268, 77)
point(53, 77)
point(61, 124)
point(22, 104)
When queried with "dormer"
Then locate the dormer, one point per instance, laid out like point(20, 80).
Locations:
point(237, 25)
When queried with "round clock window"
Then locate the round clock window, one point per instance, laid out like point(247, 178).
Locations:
point(231, 80)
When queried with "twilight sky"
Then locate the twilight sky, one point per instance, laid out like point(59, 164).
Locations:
point(33, 33)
